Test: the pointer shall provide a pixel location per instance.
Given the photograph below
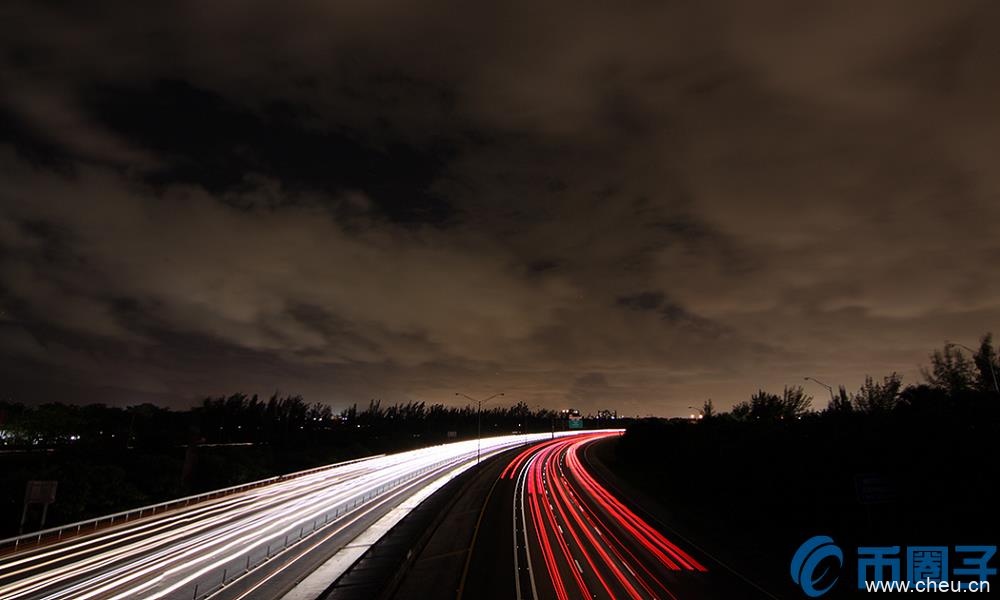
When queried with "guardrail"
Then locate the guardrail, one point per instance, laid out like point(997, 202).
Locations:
point(264, 549)
point(58, 533)
point(53, 534)
point(212, 582)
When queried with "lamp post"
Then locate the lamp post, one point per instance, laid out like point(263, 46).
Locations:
point(479, 418)
point(828, 388)
point(989, 360)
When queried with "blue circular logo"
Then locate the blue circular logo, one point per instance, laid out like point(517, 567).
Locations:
point(807, 560)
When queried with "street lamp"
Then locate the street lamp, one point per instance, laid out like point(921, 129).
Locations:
point(829, 389)
point(989, 360)
point(479, 418)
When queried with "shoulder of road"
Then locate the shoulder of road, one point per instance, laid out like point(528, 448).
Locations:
point(426, 553)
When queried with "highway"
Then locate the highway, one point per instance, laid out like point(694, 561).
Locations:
point(551, 530)
point(257, 543)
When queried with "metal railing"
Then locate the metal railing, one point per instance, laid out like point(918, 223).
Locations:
point(45, 536)
point(210, 583)
point(266, 547)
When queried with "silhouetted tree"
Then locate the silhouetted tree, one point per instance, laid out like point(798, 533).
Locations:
point(841, 403)
point(793, 403)
point(987, 365)
point(708, 409)
point(950, 371)
point(874, 397)
point(924, 399)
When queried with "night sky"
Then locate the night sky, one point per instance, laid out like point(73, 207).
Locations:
point(627, 205)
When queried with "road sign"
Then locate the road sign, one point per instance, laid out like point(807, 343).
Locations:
point(40, 492)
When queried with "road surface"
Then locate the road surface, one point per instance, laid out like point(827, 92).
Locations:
point(551, 530)
point(256, 543)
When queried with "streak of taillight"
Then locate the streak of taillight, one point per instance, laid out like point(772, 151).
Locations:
point(566, 506)
point(646, 533)
point(548, 513)
point(543, 540)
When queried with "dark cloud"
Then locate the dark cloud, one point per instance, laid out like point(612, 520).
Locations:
point(630, 206)
point(642, 301)
point(204, 139)
point(29, 144)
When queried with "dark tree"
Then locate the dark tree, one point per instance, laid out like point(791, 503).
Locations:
point(841, 403)
point(708, 409)
point(987, 365)
point(793, 403)
point(875, 397)
point(950, 371)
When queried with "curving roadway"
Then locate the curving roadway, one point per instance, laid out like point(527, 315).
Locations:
point(568, 537)
point(257, 543)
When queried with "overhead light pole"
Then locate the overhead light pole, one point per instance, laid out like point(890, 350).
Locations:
point(479, 418)
point(989, 360)
point(828, 388)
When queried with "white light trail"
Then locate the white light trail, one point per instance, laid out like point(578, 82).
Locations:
point(165, 556)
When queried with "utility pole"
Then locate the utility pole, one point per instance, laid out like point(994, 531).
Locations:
point(479, 419)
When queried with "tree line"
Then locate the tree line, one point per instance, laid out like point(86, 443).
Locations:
point(109, 458)
point(952, 380)
point(887, 462)
point(243, 418)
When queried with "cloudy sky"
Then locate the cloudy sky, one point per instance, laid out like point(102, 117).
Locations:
point(633, 205)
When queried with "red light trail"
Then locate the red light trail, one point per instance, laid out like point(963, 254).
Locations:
point(591, 544)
